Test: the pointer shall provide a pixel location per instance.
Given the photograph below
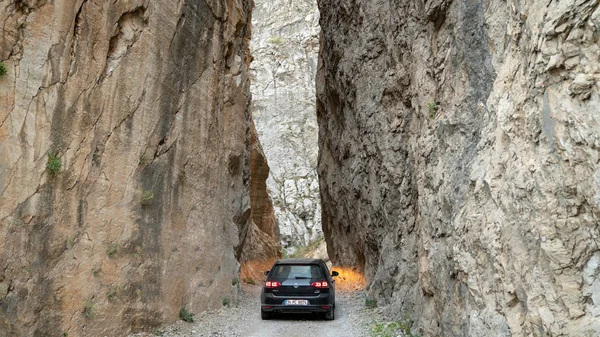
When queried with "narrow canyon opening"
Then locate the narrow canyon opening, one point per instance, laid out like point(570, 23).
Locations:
point(285, 46)
point(454, 146)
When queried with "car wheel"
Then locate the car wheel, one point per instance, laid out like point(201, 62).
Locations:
point(265, 315)
point(330, 315)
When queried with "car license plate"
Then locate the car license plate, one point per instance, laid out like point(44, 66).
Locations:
point(296, 302)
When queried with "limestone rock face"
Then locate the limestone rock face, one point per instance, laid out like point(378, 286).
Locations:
point(285, 46)
point(124, 162)
point(459, 160)
point(260, 241)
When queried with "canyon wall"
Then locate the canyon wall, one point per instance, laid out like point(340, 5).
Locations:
point(125, 150)
point(285, 43)
point(459, 160)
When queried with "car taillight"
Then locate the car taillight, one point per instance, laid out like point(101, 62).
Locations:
point(320, 284)
point(272, 284)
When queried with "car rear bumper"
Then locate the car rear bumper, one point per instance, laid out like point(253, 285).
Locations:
point(292, 309)
point(322, 303)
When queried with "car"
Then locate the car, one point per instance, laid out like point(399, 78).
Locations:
point(298, 286)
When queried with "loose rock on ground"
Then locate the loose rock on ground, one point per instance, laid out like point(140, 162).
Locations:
point(243, 320)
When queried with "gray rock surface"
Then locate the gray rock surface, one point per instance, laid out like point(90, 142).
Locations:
point(285, 46)
point(459, 160)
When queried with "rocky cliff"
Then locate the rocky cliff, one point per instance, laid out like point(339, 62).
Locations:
point(285, 45)
point(125, 147)
point(459, 160)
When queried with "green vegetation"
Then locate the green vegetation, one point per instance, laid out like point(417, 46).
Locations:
point(89, 309)
point(53, 164)
point(275, 40)
point(235, 281)
point(114, 292)
point(158, 332)
point(304, 251)
point(147, 198)
point(433, 108)
point(370, 302)
point(186, 316)
point(3, 69)
point(392, 329)
point(226, 301)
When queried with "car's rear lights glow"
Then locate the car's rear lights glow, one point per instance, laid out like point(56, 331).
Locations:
point(325, 306)
point(320, 284)
point(272, 284)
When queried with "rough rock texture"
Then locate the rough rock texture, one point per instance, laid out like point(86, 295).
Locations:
point(459, 160)
point(261, 238)
point(142, 109)
point(285, 46)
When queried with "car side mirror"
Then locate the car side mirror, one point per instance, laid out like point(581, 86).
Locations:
point(267, 273)
point(334, 273)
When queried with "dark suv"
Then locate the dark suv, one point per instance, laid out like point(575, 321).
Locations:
point(298, 286)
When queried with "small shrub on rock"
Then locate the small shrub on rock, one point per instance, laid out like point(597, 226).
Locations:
point(53, 164)
point(433, 108)
point(186, 316)
point(226, 301)
point(3, 69)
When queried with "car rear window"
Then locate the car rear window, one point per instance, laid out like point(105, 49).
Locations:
point(297, 271)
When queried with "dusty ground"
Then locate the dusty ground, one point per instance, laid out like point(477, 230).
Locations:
point(243, 320)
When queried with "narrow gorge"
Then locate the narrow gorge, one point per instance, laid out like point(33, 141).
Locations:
point(150, 149)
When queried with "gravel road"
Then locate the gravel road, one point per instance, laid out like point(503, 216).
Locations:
point(243, 320)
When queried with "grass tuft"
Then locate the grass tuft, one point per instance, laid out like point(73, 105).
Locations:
point(392, 329)
point(433, 108)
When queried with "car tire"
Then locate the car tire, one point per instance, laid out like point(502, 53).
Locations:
point(330, 315)
point(265, 315)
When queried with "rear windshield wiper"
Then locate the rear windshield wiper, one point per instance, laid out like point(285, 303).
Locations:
point(301, 277)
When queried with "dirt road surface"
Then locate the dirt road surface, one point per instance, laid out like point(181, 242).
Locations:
point(243, 320)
